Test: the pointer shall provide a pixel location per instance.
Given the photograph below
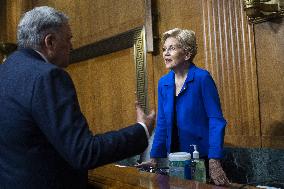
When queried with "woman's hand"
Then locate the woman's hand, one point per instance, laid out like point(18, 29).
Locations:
point(216, 172)
point(147, 164)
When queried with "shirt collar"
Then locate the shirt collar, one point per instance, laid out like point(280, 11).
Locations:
point(42, 56)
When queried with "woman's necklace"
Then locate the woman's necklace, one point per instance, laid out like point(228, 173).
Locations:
point(179, 84)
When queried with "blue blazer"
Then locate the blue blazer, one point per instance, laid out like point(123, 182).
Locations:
point(199, 116)
point(45, 141)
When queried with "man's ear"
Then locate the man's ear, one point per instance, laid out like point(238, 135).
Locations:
point(49, 46)
point(49, 41)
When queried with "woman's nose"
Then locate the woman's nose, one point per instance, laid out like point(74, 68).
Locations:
point(167, 52)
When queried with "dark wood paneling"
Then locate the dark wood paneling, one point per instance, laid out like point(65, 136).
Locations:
point(92, 21)
point(3, 18)
point(269, 42)
point(106, 88)
point(14, 10)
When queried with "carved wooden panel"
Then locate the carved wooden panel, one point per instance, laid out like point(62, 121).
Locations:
point(141, 68)
point(230, 57)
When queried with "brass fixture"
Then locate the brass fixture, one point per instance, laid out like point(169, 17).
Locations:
point(6, 49)
point(259, 11)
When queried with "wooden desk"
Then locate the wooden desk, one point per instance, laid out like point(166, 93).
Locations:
point(111, 176)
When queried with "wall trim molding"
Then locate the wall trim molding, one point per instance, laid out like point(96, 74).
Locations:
point(134, 38)
point(106, 46)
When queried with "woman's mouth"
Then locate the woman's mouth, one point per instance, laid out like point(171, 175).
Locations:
point(167, 60)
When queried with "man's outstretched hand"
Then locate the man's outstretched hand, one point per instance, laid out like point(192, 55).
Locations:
point(149, 120)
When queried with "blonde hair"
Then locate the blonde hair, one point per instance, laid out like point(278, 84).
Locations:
point(187, 39)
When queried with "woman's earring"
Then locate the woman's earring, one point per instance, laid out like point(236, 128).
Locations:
point(187, 57)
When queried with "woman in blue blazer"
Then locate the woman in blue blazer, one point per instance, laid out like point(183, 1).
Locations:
point(189, 109)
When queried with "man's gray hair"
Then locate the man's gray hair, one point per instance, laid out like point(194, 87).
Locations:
point(187, 39)
point(36, 24)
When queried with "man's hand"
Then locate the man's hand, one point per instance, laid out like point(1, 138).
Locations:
point(149, 120)
point(216, 172)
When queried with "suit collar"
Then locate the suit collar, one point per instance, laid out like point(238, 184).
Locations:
point(32, 52)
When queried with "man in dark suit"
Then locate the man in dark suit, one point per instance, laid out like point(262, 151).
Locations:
point(45, 141)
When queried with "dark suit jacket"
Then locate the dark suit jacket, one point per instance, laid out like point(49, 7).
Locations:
point(45, 141)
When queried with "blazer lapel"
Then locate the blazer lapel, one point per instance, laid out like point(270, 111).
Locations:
point(169, 88)
point(190, 76)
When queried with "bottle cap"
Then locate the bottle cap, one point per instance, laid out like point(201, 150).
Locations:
point(179, 156)
point(195, 154)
